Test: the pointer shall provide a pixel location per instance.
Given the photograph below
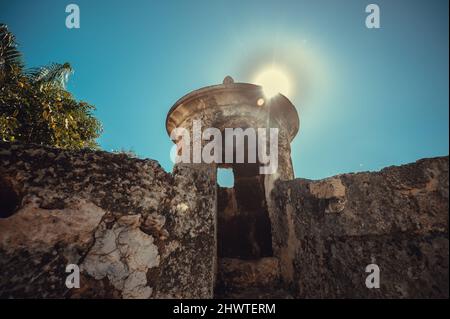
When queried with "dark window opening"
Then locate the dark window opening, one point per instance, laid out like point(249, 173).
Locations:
point(244, 229)
point(9, 199)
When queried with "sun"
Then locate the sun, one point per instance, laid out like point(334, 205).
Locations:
point(273, 81)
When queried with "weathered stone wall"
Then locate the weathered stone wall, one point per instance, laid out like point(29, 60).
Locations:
point(138, 232)
point(134, 230)
point(326, 232)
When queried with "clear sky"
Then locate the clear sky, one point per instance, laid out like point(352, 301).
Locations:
point(367, 98)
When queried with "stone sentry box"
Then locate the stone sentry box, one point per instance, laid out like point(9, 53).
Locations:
point(244, 227)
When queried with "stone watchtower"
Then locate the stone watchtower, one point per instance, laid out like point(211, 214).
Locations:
point(244, 230)
point(233, 105)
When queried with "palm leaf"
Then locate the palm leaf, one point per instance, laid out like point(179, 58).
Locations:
point(54, 74)
point(10, 56)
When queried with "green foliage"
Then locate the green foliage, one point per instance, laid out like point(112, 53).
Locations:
point(10, 57)
point(36, 108)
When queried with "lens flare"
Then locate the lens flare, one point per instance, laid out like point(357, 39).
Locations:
point(273, 81)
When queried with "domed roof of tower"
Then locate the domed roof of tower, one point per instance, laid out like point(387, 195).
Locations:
point(228, 93)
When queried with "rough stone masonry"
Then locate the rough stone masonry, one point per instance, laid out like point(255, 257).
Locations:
point(139, 232)
point(134, 230)
point(326, 232)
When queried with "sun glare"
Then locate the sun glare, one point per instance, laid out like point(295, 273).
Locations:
point(273, 81)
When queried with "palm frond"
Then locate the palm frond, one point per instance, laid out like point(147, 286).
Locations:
point(10, 56)
point(54, 74)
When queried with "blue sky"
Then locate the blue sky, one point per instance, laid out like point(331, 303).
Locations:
point(367, 98)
